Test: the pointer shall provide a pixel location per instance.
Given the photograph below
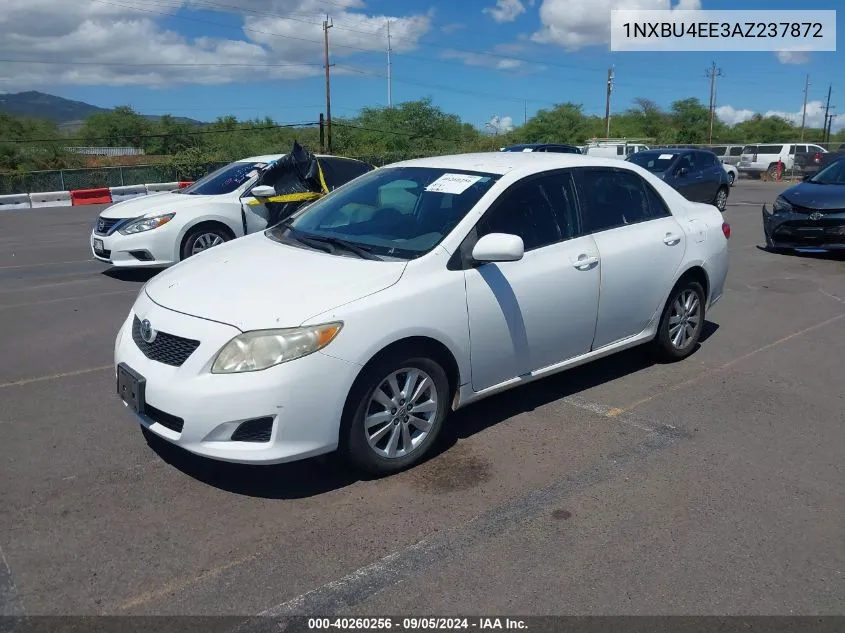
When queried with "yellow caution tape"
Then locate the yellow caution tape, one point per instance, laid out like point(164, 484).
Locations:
point(297, 197)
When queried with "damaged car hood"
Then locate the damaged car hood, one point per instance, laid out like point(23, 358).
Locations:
point(814, 196)
point(257, 283)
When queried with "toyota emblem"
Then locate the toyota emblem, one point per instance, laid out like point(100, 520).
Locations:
point(816, 216)
point(148, 334)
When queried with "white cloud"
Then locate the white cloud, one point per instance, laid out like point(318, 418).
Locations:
point(86, 41)
point(507, 10)
point(732, 116)
point(500, 124)
point(815, 115)
point(575, 24)
point(498, 58)
point(793, 57)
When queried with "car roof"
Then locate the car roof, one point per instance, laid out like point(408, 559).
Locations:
point(267, 158)
point(670, 150)
point(532, 145)
point(506, 162)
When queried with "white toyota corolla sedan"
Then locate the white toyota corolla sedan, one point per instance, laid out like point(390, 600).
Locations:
point(361, 322)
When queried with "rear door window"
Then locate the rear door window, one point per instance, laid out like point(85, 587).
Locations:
point(736, 151)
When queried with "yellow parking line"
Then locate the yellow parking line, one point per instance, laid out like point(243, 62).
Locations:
point(77, 372)
point(728, 365)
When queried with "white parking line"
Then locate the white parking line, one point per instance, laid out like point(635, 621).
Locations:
point(11, 604)
point(38, 303)
point(78, 261)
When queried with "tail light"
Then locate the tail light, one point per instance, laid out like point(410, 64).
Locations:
point(726, 229)
point(817, 157)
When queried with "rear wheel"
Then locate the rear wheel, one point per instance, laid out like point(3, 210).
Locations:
point(682, 322)
point(721, 199)
point(202, 238)
point(772, 171)
point(396, 410)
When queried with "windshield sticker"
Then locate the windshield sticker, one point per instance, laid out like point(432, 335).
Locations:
point(665, 157)
point(528, 149)
point(453, 183)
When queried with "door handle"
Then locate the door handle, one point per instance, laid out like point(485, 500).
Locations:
point(584, 261)
point(671, 239)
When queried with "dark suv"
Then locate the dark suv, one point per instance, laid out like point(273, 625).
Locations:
point(697, 174)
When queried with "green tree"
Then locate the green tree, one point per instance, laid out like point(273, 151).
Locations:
point(691, 120)
point(121, 127)
point(565, 123)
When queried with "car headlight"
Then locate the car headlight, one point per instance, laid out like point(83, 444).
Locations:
point(261, 349)
point(782, 205)
point(146, 224)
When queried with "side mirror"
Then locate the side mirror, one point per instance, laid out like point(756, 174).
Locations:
point(498, 247)
point(806, 177)
point(681, 171)
point(263, 191)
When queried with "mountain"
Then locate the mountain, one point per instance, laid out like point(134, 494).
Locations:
point(68, 114)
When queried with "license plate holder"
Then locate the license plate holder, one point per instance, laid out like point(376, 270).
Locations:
point(131, 388)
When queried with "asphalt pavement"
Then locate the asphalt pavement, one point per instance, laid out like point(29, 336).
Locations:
point(711, 486)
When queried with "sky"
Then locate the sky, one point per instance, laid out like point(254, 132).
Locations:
point(492, 62)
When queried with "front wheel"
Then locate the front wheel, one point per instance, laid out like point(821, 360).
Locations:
point(202, 238)
point(681, 323)
point(721, 199)
point(397, 409)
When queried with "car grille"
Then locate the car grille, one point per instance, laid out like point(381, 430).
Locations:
point(806, 211)
point(822, 231)
point(165, 419)
point(104, 225)
point(165, 348)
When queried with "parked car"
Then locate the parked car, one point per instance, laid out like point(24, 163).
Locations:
point(362, 322)
point(542, 147)
point(620, 149)
point(808, 163)
point(759, 159)
point(732, 172)
point(728, 154)
point(162, 229)
point(696, 173)
point(809, 217)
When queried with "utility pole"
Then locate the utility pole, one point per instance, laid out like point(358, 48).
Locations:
point(826, 113)
point(804, 111)
point(712, 73)
point(326, 26)
point(830, 124)
point(389, 68)
point(525, 112)
point(607, 102)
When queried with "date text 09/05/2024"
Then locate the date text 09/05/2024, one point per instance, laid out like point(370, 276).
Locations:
point(416, 623)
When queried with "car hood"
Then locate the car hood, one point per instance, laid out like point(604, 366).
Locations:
point(157, 203)
point(813, 196)
point(256, 283)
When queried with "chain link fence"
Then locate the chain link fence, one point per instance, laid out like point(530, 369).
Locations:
point(68, 179)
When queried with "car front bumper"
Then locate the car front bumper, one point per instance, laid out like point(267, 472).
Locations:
point(199, 411)
point(796, 231)
point(154, 249)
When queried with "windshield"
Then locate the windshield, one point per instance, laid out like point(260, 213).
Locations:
point(654, 162)
point(401, 212)
point(833, 174)
point(224, 180)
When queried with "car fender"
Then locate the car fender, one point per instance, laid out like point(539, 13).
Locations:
point(216, 213)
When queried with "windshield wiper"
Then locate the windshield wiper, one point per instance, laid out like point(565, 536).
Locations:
point(361, 251)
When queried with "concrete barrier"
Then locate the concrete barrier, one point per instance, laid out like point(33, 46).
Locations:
point(155, 187)
point(119, 194)
point(90, 196)
point(15, 201)
point(50, 199)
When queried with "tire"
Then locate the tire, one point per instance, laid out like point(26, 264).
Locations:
point(208, 234)
point(368, 399)
point(721, 199)
point(772, 171)
point(664, 342)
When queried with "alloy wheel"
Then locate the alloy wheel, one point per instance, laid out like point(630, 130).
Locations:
point(205, 241)
point(401, 413)
point(684, 320)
